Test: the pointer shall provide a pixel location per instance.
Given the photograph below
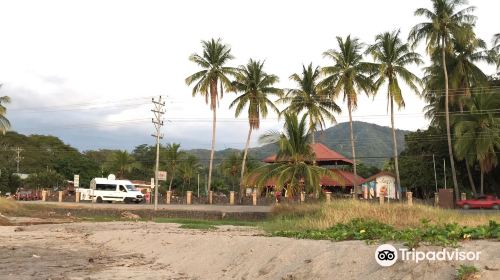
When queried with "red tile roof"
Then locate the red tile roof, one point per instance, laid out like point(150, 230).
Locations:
point(324, 156)
point(341, 178)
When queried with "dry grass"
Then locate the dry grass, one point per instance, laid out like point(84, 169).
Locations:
point(322, 216)
point(9, 206)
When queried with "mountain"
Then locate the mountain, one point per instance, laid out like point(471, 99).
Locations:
point(373, 144)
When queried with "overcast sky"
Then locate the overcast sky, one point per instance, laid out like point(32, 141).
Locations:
point(85, 71)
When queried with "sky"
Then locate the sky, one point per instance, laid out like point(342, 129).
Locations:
point(86, 71)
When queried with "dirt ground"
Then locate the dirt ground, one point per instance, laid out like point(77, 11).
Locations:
point(146, 250)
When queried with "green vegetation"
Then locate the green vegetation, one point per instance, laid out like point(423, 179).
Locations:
point(4, 122)
point(467, 272)
point(293, 169)
point(255, 86)
point(353, 220)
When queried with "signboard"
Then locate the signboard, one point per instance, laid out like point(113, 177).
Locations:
point(152, 183)
point(162, 175)
point(76, 180)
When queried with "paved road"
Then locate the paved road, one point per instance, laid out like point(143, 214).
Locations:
point(173, 207)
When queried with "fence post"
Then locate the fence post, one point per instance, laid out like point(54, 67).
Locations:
point(60, 196)
point(188, 197)
point(409, 197)
point(77, 197)
point(210, 197)
point(44, 195)
point(254, 197)
point(169, 197)
point(302, 196)
point(436, 199)
point(381, 199)
point(231, 198)
point(328, 197)
point(463, 196)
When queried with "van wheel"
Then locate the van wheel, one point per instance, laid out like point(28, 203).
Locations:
point(126, 200)
point(99, 199)
point(110, 201)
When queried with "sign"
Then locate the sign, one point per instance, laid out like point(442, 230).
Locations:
point(152, 183)
point(162, 175)
point(76, 180)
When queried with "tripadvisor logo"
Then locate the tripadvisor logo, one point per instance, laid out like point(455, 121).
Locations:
point(387, 255)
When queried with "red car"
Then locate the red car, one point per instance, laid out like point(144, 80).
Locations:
point(486, 201)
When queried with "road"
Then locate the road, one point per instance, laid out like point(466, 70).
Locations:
point(173, 207)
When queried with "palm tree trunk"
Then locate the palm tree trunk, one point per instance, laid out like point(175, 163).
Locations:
point(448, 129)
point(395, 148)
point(471, 180)
point(482, 181)
point(352, 144)
point(242, 186)
point(170, 184)
point(214, 119)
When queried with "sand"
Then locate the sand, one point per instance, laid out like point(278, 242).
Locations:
point(145, 250)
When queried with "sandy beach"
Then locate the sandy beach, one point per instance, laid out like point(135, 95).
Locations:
point(146, 250)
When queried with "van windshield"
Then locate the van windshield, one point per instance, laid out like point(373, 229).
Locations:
point(130, 187)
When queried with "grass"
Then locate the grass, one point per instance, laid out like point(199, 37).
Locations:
point(204, 224)
point(357, 220)
point(323, 216)
point(467, 272)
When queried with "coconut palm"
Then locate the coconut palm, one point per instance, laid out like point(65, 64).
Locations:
point(4, 122)
point(310, 97)
point(293, 168)
point(392, 57)
point(495, 51)
point(212, 81)
point(173, 156)
point(188, 168)
point(122, 162)
point(256, 87)
point(446, 21)
point(348, 76)
point(477, 134)
point(231, 166)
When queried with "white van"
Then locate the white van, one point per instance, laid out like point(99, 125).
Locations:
point(109, 189)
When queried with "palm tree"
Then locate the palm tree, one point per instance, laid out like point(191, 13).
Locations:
point(256, 86)
point(121, 162)
point(4, 122)
point(310, 97)
point(348, 75)
point(188, 169)
point(293, 167)
point(445, 22)
point(173, 156)
point(477, 134)
point(211, 81)
point(392, 57)
point(495, 52)
point(230, 167)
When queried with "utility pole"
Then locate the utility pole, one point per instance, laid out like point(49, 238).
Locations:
point(18, 158)
point(158, 111)
point(198, 184)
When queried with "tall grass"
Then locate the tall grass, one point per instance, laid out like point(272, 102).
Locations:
point(323, 216)
point(9, 206)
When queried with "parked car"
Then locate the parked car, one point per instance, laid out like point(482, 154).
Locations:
point(486, 201)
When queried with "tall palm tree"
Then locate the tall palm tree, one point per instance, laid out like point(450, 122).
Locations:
point(445, 22)
point(477, 134)
point(188, 169)
point(4, 122)
point(496, 50)
point(392, 57)
point(256, 87)
point(293, 168)
point(348, 76)
point(310, 97)
point(121, 162)
point(173, 157)
point(212, 80)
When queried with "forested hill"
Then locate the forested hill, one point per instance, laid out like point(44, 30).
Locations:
point(373, 143)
